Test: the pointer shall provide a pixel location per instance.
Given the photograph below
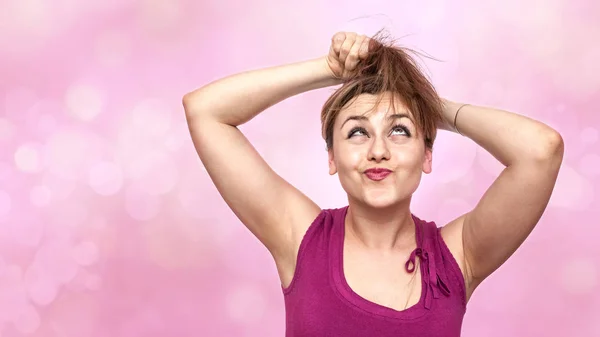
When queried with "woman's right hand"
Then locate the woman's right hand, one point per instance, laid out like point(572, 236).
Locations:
point(346, 51)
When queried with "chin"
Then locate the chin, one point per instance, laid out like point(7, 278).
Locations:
point(381, 199)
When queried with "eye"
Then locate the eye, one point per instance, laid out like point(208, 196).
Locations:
point(357, 131)
point(399, 128)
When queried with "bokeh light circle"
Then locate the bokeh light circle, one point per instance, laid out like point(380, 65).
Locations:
point(5, 203)
point(86, 253)
point(245, 304)
point(85, 102)
point(580, 276)
point(141, 205)
point(28, 158)
point(572, 190)
point(105, 178)
point(589, 164)
point(40, 195)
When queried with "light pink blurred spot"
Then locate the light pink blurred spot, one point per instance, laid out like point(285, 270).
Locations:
point(97, 222)
point(69, 153)
point(28, 320)
point(152, 117)
point(27, 158)
point(179, 137)
point(433, 17)
point(589, 135)
point(47, 123)
point(589, 164)
point(41, 287)
point(84, 101)
point(159, 176)
point(78, 283)
point(7, 129)
point(146, 321)
point(13, 295)
point(5, 203)
point(492, 93)
point(71, 214)
point(93, 282)
point(489, 164)
point(453, 159)
point(6, 171)
point(18, 101)
point(572, 190)
point(59, 187)
point(141, 205)
point(158, 15)
point(55, 259)
point(112, 48)
point(40, 195)
point(190, 197)
point(86, 253)
point(44, 118)
point(28, 228)
point(584, 79)
point(580, 276)
point(105, 178)
point(245, 304)
point(450, 208)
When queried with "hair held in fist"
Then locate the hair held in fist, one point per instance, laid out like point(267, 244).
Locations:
point(375, 65)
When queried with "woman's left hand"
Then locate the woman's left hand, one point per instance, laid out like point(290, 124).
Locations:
point(448, 112)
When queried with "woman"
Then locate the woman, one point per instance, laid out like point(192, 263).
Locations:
point(373, 268)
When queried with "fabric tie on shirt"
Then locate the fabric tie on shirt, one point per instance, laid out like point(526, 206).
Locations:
point(433, 280)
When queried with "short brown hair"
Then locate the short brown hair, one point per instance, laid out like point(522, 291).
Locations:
point(388, 68)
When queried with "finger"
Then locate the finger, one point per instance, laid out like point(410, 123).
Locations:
point(353, 57)
point(346, 46)
point(364, 48)
point(336, 42)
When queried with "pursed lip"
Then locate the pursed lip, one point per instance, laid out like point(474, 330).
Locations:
point(377, 173)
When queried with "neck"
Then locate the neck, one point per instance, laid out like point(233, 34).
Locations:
point(381, 229)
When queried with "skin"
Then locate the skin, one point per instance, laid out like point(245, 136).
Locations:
point(378, 140)
point(379, 229)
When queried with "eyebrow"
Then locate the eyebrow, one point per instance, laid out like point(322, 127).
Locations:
point(390, 117)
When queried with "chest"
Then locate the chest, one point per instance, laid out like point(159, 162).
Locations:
point(383, 280)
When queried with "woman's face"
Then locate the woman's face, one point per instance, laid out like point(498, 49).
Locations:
point(380, 139)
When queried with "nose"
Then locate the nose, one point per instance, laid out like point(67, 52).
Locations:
point(379, 150)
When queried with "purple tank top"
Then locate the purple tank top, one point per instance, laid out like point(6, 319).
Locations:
point(319, 301)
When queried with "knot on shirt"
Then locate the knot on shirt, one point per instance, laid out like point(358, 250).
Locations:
point(433, 280)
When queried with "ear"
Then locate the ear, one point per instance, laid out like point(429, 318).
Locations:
point(427, 161)
point(332, 167)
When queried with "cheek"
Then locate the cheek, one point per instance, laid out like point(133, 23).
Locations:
point(355, 158)
point(351, 163)
point(408, 158)
point(348, 157)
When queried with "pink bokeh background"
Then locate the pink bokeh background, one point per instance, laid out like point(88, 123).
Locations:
point(109, 226)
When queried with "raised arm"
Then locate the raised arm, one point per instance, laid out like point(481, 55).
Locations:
point(532, 152)
point(273, 210)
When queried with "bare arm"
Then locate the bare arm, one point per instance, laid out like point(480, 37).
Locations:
point(270, 207)
point(236, 99)
point(273, 210)
point(509, 210)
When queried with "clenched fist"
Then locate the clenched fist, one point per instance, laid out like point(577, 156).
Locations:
point(346, 51)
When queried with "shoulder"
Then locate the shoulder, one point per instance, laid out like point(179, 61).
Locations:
point(452, 236)
point(322, 221)
point(320, 230)
point(319, 225)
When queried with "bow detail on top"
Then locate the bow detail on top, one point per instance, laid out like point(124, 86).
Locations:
point(433, 281)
